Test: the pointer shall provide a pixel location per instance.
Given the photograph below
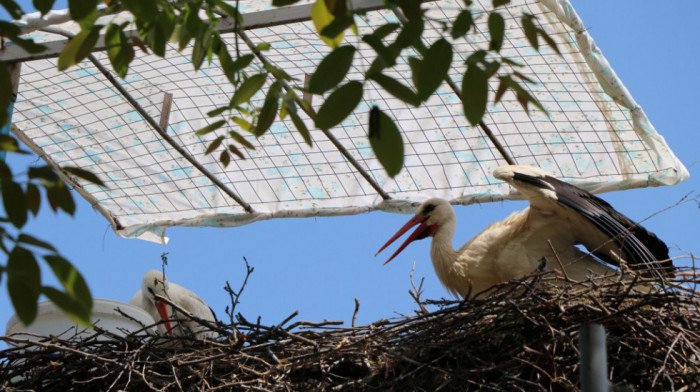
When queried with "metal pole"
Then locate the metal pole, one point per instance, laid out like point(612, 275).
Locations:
point(594, 361)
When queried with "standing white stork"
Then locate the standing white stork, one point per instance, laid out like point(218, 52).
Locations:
point(155, 284)
point(559, 213)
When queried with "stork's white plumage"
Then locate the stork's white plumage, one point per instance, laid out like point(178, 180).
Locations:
point(559, 213)
point(154, 284)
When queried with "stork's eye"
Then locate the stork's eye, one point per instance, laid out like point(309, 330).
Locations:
point(428, 209)
point(150, 290)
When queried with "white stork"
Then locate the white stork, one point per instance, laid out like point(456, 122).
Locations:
point(155, 284)
point(559, 213)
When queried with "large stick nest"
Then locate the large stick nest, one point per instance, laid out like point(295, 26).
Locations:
point(523, 337)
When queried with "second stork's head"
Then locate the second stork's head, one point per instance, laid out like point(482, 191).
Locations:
point(155, 285)
point(433, 217)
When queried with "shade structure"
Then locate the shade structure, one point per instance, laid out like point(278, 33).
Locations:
point(594, 135)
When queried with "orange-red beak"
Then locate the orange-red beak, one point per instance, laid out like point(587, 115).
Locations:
point(163, 312)
point(421, 232)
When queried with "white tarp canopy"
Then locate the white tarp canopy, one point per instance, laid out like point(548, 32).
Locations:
point(595, 136)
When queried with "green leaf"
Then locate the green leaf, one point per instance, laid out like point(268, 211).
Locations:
point(217, 111)
point(9, 143)
point(145, 11)
point(396, 88)
point(282, 3)
point(60, 197)
point(78, 47)
point(15, 203)
point(415, 64)
point(411, 9)
point(332, 69)
point(214, 145)
point(5, 94)
point(33, 198)
point(278, 73)
point(301, 127)
point(322, 17)
point(42, 6)
point(229, 10)
point(224, 158)
point(118, 49)
point(248, 88)
point(410, 34)
point(85, 175)
point(69, 277)
point(45, 174)
point(31, 240)
point(475, 89)
point(193, 23)
point(337, 26)
point(242, 123)
point(502, 87)
point(160, 32)
point(386, 55)
point(386, 142)
point(241, 140)
point(549, 40)
point(385, 29)
point(530, 30)
point(201, 47)
point(269, 110)
point(5, 172)
point(496, 30)
point(339, 105)
point(235, 151)
point(241, 62)
point(80, 9)
point(498, 3)
point(462, 24)
point(14, 9)
point(70, 305)
point(23, 283)
point(439, 56)
point(210, 128)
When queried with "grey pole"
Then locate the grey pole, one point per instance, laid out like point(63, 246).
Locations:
point(594, 361)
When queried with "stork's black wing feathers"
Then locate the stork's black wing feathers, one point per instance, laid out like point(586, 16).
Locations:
point(643, 249)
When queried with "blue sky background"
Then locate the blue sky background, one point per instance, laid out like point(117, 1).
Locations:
point(318, 266)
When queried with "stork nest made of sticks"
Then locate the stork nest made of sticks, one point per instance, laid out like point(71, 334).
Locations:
point(523, 337)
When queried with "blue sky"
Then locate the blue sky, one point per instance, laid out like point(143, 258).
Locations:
point(319, 265)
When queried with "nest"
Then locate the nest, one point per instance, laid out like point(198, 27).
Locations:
point(523, 337)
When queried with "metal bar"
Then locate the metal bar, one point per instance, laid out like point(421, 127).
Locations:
point(251, 20)
point(594, 360)
point(420, 47)
point(310, 112)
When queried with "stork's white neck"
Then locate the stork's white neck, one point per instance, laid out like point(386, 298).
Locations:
point(442, 253)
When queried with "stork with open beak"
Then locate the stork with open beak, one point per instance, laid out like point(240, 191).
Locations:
point(559, 214)
point(155, 285)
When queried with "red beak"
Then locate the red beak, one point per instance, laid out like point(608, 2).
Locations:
point(163, 312)
point(421, 232)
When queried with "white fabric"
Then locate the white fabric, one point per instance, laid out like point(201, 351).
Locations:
point(596, 135)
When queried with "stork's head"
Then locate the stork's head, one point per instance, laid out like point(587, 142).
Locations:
point(155, 285)
point(432, 216)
